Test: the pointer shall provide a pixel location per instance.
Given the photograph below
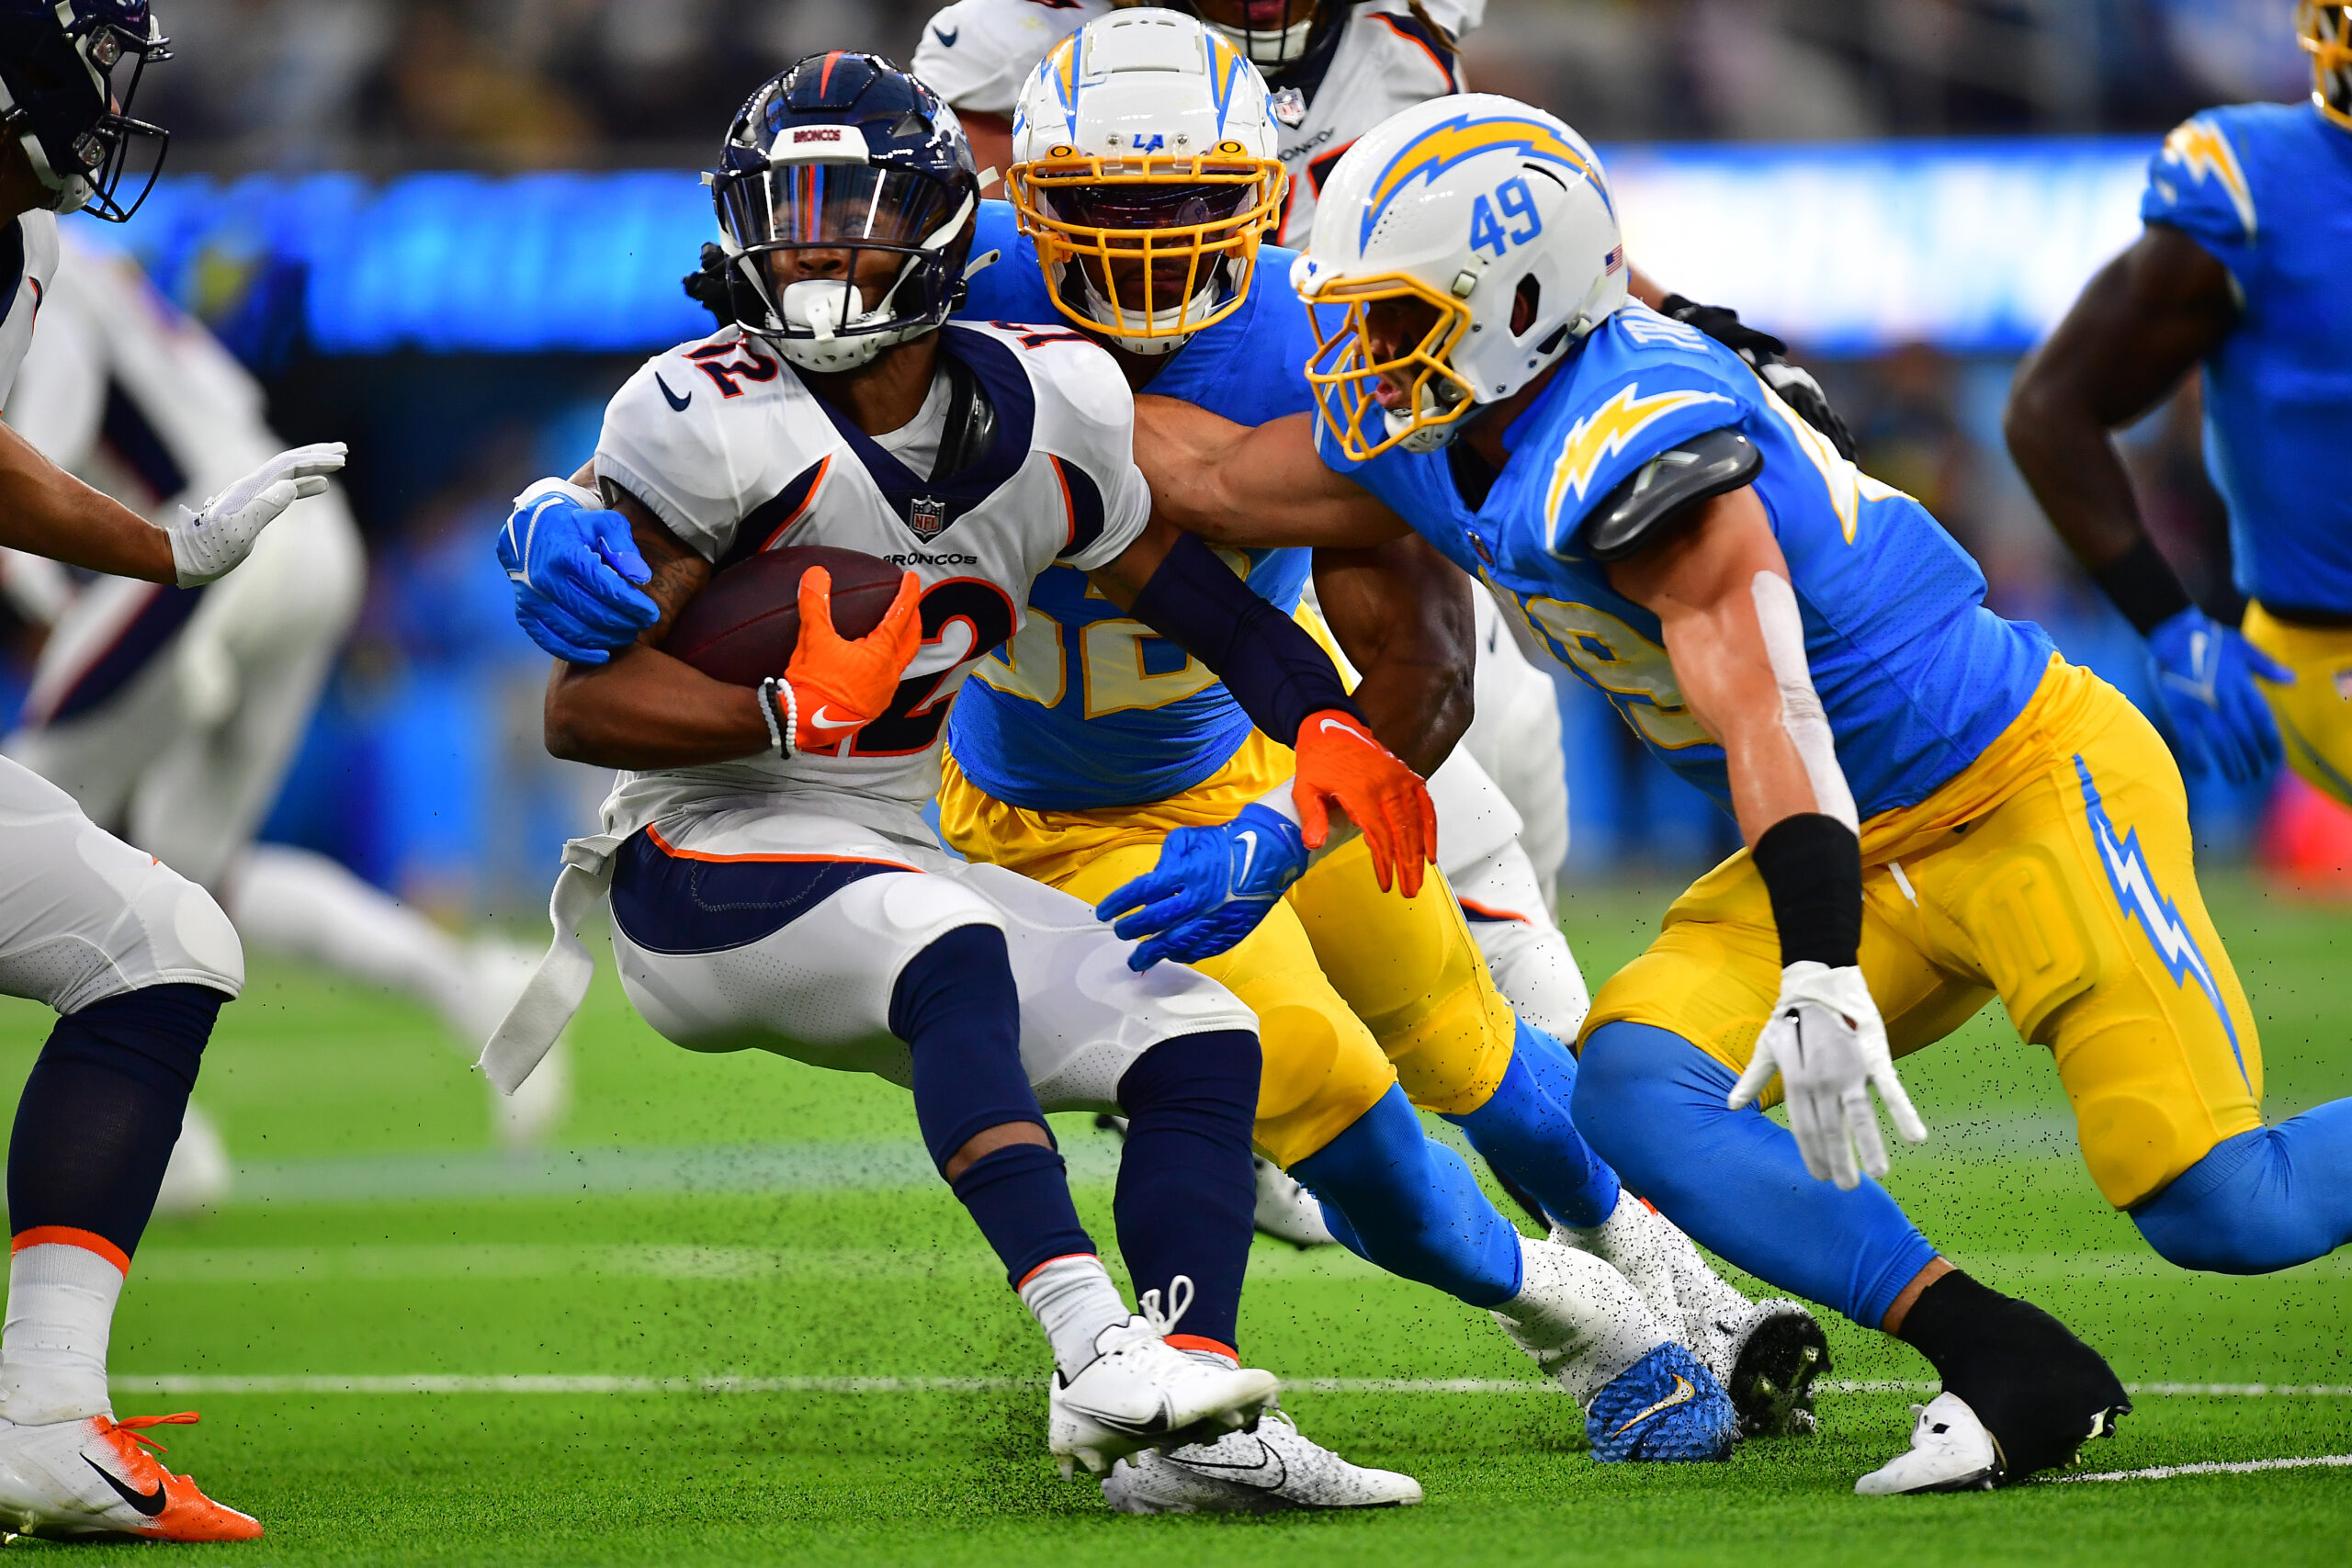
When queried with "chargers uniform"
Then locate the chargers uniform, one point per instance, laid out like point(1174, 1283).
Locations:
point(1088, 737)
point(83, 916)
point(772, 901)
point(2024, 830)
point(2266, 191)
point(1381, 57)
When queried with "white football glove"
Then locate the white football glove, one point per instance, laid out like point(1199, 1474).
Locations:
point(207, 544)
point(1828, 1044)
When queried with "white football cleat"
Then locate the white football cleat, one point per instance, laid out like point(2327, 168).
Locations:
point(196, 1180)
point(1951, 1451)
point(1271, 1469)
point(95, 1476)
point(1140, 1391)
point(1583, 1322)
point(1288, 1212)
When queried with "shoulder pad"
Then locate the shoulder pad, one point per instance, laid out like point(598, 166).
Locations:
point(1653, 504)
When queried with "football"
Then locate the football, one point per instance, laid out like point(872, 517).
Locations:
point(743, 627)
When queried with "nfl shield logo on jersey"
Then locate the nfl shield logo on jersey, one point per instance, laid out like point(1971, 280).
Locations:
point(927, 516)
point(1289, 106)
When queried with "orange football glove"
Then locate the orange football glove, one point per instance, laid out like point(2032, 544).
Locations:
point(1340, 764)
point(840, 686)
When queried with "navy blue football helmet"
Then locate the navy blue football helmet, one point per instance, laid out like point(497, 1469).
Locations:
point(851, 159)
point(66, 93)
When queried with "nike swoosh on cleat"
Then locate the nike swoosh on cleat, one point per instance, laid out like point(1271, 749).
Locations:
point(821, 722)
point(1683, 1394)
point(676, 402)
point(149, 1503)
point(1270, 1473)
point(946, 39)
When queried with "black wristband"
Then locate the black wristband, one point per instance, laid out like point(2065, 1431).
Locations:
point(2142, 584)
point(1812, 867)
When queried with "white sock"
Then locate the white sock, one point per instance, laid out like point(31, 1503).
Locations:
point(1073, 1300)
point(293, 901)
point(53, 1346)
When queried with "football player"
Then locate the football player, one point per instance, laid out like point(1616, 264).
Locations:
point(175, 712)
point(771, 880)
point(1088, 738)
point(1937, 808)
point(137, 960)
point(2249, 219)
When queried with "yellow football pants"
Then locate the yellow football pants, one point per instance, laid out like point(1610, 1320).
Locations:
point(2314, 714)
point(1355, 989)
point(2055, 872)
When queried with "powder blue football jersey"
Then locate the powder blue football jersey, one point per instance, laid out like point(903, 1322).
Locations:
point(1086, 707)
point(1917, 677)
point(2266, 188)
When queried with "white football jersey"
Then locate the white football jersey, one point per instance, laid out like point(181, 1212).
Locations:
point(723, 442)
point(977, 53)
point(28, 263)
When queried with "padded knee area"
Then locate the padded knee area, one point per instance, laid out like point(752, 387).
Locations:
point(957, 1009)
point(1411, 1206)
point(2263, 1200)
point(1652, 1104)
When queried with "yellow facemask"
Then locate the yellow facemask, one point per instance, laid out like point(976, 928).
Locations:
point(2325, 31)
point(1343, 373)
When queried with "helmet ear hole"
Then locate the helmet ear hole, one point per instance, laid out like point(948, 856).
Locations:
point(1526, 305)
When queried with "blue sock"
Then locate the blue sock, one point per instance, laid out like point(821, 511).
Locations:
point(2262, 1201)
point(1653, 1105)
point(102, 1108)
point(1018, 1196)
point(1524, 1131)
point(1186, 1184)
point(1411, 1205)
point(957, 1009)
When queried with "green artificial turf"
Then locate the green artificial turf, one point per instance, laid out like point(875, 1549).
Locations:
point(725, 1221)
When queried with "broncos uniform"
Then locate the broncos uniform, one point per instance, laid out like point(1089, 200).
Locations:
point(83, 916)
point(2024, 831)
point(773, 901)
point(1381, 57)
point(1088, 737)
point(2266, 191)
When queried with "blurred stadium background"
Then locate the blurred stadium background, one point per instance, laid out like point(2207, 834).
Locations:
point(446, 230)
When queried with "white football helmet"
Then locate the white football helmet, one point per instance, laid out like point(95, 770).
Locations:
point(1457, 210)
point(1144, 169)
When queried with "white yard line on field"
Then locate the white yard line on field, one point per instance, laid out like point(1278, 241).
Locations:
point(2238, 1467)
point(531, 1383)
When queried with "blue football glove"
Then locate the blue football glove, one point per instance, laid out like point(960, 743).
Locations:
point(574, 568)
point(2205, 675)
point(1210, 889)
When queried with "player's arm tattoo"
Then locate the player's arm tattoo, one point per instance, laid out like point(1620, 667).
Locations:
point(1403, 615)
point(679, 571)
point(2140, 326)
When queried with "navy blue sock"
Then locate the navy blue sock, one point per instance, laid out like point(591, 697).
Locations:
point(1410, 1205)
point(1018, 1196)
point(1524, 1131)
point(102, 1108)
point(1186, 1186)
point(957, 1009)
point(2262, 1201)
point(1653, 1105)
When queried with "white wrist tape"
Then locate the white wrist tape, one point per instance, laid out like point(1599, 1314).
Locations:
point(1283, 802)
point(1801, 712)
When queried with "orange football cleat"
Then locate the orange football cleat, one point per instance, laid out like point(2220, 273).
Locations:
point(95, 1476)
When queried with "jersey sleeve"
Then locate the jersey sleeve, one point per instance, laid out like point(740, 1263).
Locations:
point(58, 402)
point(2198, 182)
point(683, 462)
point(1647, 405)
point(977, 53)
point(1093, 438)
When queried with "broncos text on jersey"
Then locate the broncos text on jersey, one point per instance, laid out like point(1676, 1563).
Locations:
point(725, 445)
point(1917, 677)
point(1382, 58)
point(2266, 189)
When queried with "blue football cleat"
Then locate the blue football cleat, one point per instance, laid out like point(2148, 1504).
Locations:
point(1665, 1408)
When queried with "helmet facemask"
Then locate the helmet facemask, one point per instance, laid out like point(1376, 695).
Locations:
point(1269, 47)
point(67, 87)
point(1345, 372)
point(1151, 248)
point(895, 229)
point(2326, 33)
